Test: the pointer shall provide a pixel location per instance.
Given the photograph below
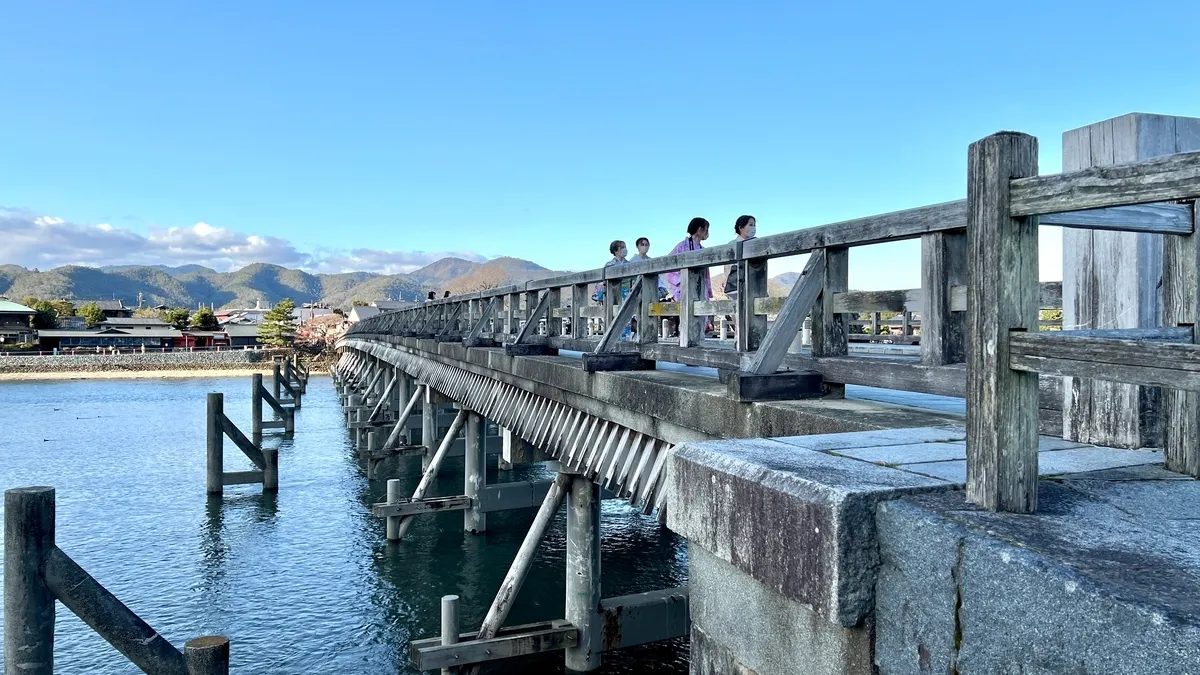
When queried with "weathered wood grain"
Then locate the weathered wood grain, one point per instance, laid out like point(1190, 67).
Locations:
point(531, 322)
point(612, 332)
point(1002, 404)
point(1181, 293)
point(800, 300)
point(751, 326)
point(1173, 177)
point(943, 329)
point(828, 325)
point(893, 226)
point(701, 258)
point(1156, 218)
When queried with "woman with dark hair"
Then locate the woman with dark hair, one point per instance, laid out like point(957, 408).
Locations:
point(697, 231)
point(745, 228)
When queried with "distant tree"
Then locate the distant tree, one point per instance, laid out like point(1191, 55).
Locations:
point(147, 313)
point(277, 328)
point(46, 318)
point(359, 303)
point(63, 308)
point(204, 319)
point(92, 313)
point(481, 279)
point(179, 318)
point(29, 301)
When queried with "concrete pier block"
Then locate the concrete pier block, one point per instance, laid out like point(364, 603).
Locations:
point(799, 521)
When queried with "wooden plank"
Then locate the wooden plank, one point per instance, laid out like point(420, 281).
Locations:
point(643, 618)
point(714, 308)
point(661, 309)
point(1065, 345)
point(1002, 404)
point(249, 449)
point(724, 359)
point(863, 302)
point(515, 641)
point(876, 229)
point(700, 258)
point(800, 300)
point(554, 324)
point(585, 277)
point(592, 312)
point(943, 266)
point(241, 477)
point(1159, 218)
point(612, 332)
point(412, 507)
point(1164, 334)
point(1188, 380)
point(1160, 179)
point(768, 306)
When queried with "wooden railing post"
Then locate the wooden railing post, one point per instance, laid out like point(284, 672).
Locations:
point(215, 447)
point(691, 290)
point(531, 301)
point(943, 266)
point(647, 326)
point(514, 302)
point(1002, 404)
point(829, 327)
point(553, 323)
point(28, 603)
point(579, 300)
point(1181, 295)
point(751, 327)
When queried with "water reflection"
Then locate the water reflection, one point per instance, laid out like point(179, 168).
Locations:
point(303, 580)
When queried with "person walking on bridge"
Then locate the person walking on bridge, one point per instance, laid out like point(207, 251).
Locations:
point(697, 230)
point(745, 228)
point(643, 253)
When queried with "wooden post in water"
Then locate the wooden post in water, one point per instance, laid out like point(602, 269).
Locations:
point(449, 625)
point(276, 384)
point(207, 655)
point(270, 469)
point(28, 603)
point(583, 573)
point(215, 448)
point(1002, 403)
point(256, 388)
point(474, 474)
point(372, 446)
point(393, 496)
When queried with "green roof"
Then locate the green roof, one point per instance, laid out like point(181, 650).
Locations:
point(7, 307)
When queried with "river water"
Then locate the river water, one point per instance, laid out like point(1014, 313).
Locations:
point(303, 581)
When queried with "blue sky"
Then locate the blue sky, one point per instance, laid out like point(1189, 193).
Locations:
point(378, 135)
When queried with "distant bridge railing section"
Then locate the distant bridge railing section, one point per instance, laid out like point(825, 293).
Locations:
point(979, 303)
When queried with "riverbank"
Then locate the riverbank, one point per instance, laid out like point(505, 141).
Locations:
point(132, 374)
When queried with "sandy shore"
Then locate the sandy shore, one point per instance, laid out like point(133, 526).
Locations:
point(130, 374)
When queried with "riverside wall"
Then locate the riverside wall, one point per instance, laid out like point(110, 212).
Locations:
point(233, 359)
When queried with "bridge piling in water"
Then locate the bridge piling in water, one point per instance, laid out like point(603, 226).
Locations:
point(474, 474)
point(37, 572)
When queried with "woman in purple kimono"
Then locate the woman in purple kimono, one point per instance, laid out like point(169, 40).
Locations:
point(697, 232)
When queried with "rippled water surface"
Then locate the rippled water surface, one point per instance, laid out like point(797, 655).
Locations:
point(301, 582)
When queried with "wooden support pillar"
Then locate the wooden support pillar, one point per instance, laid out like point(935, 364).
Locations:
point(691, 327)
point(371, 447)
point(393, 497)
point(829, 327)
point(28, 603)
point(1002, 403)
point(531, 301)
point(270, 469)
point(428, 425)
point(583, 574)
point(1112, 280)
point(434, 463)
point(510, 314)
point(474, 474)
point(1181, 293)
point(554, 324)
point(276, 382)
point(750, 328)
point(215, 446)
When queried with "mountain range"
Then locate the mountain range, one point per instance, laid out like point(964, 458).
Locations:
point(193, 285)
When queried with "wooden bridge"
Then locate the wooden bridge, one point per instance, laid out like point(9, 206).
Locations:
point(554, 371)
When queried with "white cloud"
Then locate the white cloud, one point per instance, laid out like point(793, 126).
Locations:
point(33, 240)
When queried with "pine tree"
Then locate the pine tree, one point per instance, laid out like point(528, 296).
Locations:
point(277, 328)
point(204, 319)
point(92, 313)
